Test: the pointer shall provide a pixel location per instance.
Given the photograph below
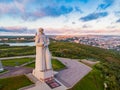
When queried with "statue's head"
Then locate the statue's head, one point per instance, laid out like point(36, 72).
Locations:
point(41, 30)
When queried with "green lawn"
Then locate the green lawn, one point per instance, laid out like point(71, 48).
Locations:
point(16, 62)
point(92, 81)
point(14, 83)
point(57, 65)
point(8, 51)
point(32, 65)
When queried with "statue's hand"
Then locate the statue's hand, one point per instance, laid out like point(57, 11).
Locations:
point(40, 45)
point(45, 45)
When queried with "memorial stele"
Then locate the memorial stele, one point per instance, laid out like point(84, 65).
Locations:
point(43, 69)
point(1, 67)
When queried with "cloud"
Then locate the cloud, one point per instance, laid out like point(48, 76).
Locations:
point(19, 30)
point(56, 11)
point(29, 10)
point(12, 5)
point(34, 9)
point(31, 16)
point(53, 11)
point(6, 8)
point(46, 11)
point(117, 13)
point(62, 16)
point(105, 4)
point(111, 27)
point(118, 21)
point(73, 22)
point(94, 16)
point(69, 1)
point(78, 9)
point(86, 26)
point(13, 8)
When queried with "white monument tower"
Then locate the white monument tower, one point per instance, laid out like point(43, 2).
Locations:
point(1, 67)
point(43, 68)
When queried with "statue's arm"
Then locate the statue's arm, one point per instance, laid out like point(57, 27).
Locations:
point(38, 41)
point(47, 42)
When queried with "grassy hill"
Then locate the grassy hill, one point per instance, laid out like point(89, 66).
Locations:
point(109, 65)
point(110, 61)
point(74, 50)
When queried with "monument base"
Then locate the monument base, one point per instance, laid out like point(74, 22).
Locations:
point(43, 76)
point(1, 69)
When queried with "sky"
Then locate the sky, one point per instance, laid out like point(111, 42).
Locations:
point(61, 17)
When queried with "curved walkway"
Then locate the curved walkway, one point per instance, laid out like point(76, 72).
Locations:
point(6, 58)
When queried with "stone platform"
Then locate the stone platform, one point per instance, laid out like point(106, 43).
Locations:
point(74, 73)
point(42, 85)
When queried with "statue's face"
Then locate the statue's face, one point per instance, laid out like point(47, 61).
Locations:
point(41, 30)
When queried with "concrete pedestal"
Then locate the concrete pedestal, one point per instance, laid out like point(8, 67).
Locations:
point(42, 85)
point(43, 75)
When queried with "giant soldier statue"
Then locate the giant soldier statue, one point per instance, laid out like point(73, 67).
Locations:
point(43, 68)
